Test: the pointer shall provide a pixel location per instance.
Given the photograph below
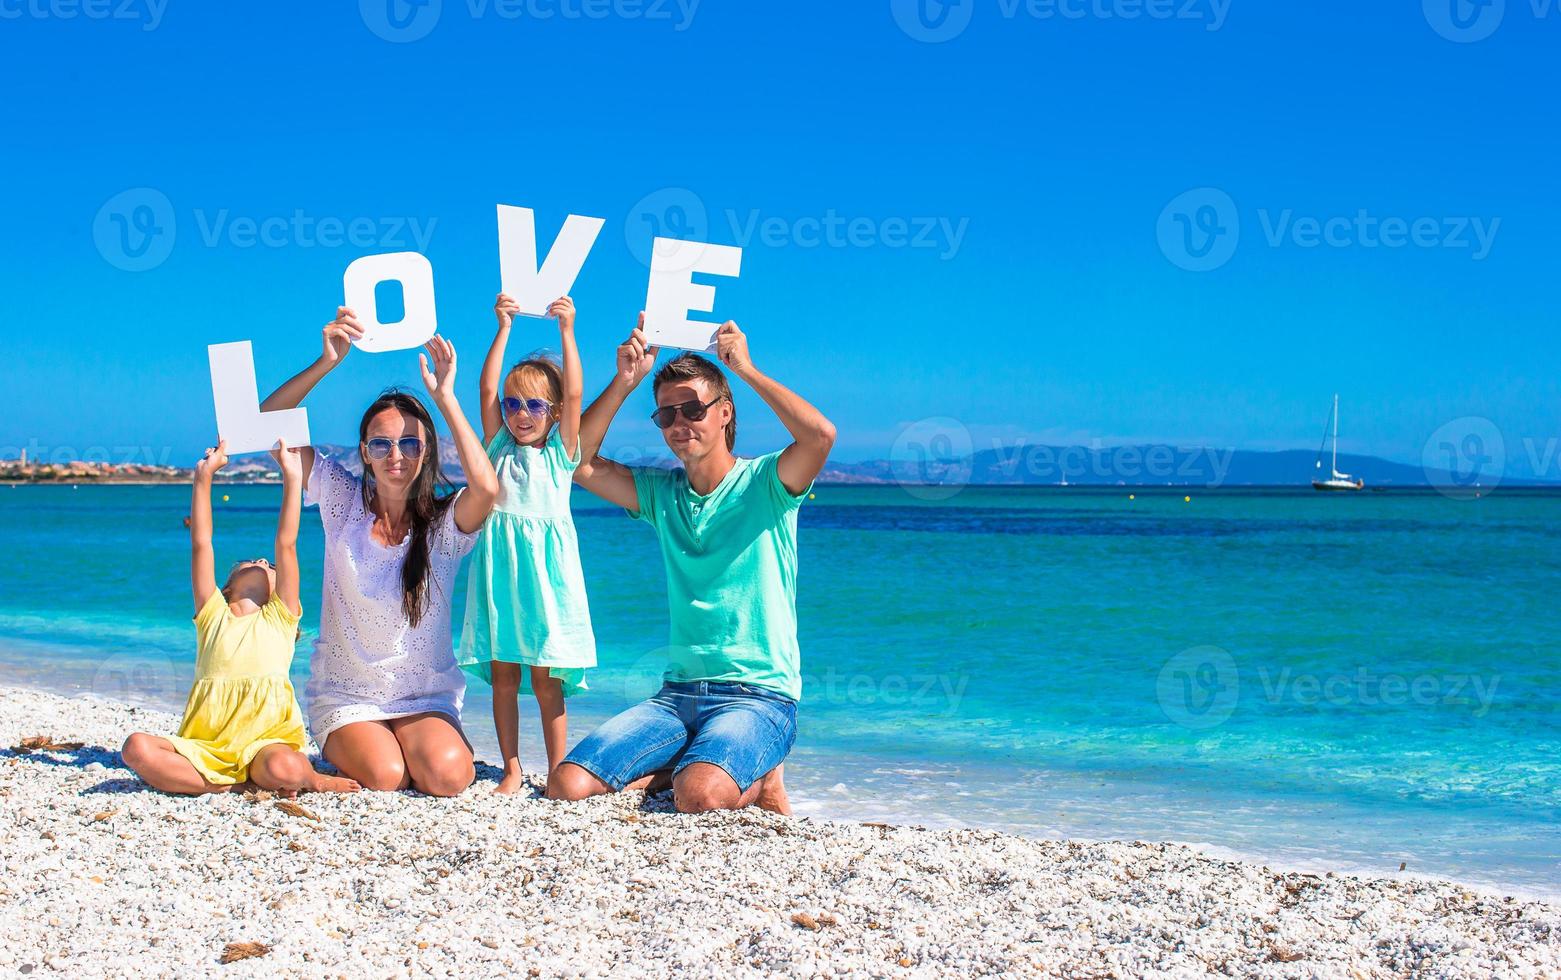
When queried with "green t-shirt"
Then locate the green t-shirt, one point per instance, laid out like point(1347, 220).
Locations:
point(731, 558)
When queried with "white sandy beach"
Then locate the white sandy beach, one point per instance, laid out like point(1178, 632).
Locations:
point(103, 876)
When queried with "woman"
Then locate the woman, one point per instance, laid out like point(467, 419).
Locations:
point(384, 691)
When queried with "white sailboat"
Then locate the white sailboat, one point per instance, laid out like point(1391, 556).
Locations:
point(1338, 481)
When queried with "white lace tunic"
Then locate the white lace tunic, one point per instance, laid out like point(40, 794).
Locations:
point(369, 664)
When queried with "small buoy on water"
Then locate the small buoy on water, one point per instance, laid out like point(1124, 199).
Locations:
point(226, 498)
point(812, 496)
point(1186, 500)
point(1132, 496)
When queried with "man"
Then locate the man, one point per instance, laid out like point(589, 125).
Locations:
point(726, 715)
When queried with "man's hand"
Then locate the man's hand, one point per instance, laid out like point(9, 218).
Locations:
point(214, 460)
point(731, 346)
point(636, 357)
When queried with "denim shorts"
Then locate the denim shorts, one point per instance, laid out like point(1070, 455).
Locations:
point(746, 730)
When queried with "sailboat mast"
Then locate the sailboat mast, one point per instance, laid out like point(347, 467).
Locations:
point(1336, 434)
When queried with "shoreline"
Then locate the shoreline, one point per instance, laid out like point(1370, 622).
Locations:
point(825, 810)
point(395, 883)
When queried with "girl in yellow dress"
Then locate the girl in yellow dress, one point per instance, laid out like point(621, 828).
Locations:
point(241, 723)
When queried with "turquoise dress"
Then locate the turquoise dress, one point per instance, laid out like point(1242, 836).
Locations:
point(525, 600)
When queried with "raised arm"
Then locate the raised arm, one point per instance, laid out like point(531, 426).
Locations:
point(609, 480)
point(291, 463)
point(490, 386)
point(339, 335)
point(574, 376)
point(203, 561)
point(482, 484)
point(813, 436)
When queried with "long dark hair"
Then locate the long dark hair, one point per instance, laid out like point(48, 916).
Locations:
point(425, 502)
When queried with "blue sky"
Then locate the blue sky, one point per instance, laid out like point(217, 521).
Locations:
point(1020, 262)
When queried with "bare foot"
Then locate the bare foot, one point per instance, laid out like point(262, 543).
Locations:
point(331, 784)
point(512, 781)
point(772, 793)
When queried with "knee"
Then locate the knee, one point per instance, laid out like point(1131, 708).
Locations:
point(701, 794)
point(137, 749)
point(448, 774)
point(383, 775)
point(286, 769)
point(571, 783)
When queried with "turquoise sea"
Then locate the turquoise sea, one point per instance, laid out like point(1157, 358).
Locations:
point(1340, 682)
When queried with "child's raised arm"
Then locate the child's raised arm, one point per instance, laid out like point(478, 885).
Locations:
point(291, 463)
point(574, 380)
point(203, 562)
point(492, 378)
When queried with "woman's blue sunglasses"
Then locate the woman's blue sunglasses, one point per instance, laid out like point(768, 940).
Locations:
point(377, 449)
point(533, 406)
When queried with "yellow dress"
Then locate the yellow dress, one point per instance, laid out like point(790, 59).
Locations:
point(242, 700)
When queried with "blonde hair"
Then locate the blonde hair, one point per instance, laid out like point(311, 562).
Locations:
point(549, 368)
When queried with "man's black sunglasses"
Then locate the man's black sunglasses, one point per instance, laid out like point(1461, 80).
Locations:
point(694, 411)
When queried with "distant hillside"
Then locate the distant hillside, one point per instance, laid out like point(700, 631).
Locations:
point(1143, 465)
point(1029, 465)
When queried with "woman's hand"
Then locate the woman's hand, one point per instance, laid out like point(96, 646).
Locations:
point(505, 309)
point(731, 346)
point(339, 335)
point(564, 309)
point(214, 460)
point(635, 356)
point(441, 380)
point(291, 463)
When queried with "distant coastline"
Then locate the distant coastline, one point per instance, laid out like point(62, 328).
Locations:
point(1017, 465)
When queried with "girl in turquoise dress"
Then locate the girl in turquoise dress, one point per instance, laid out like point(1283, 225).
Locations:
point(527, 622)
